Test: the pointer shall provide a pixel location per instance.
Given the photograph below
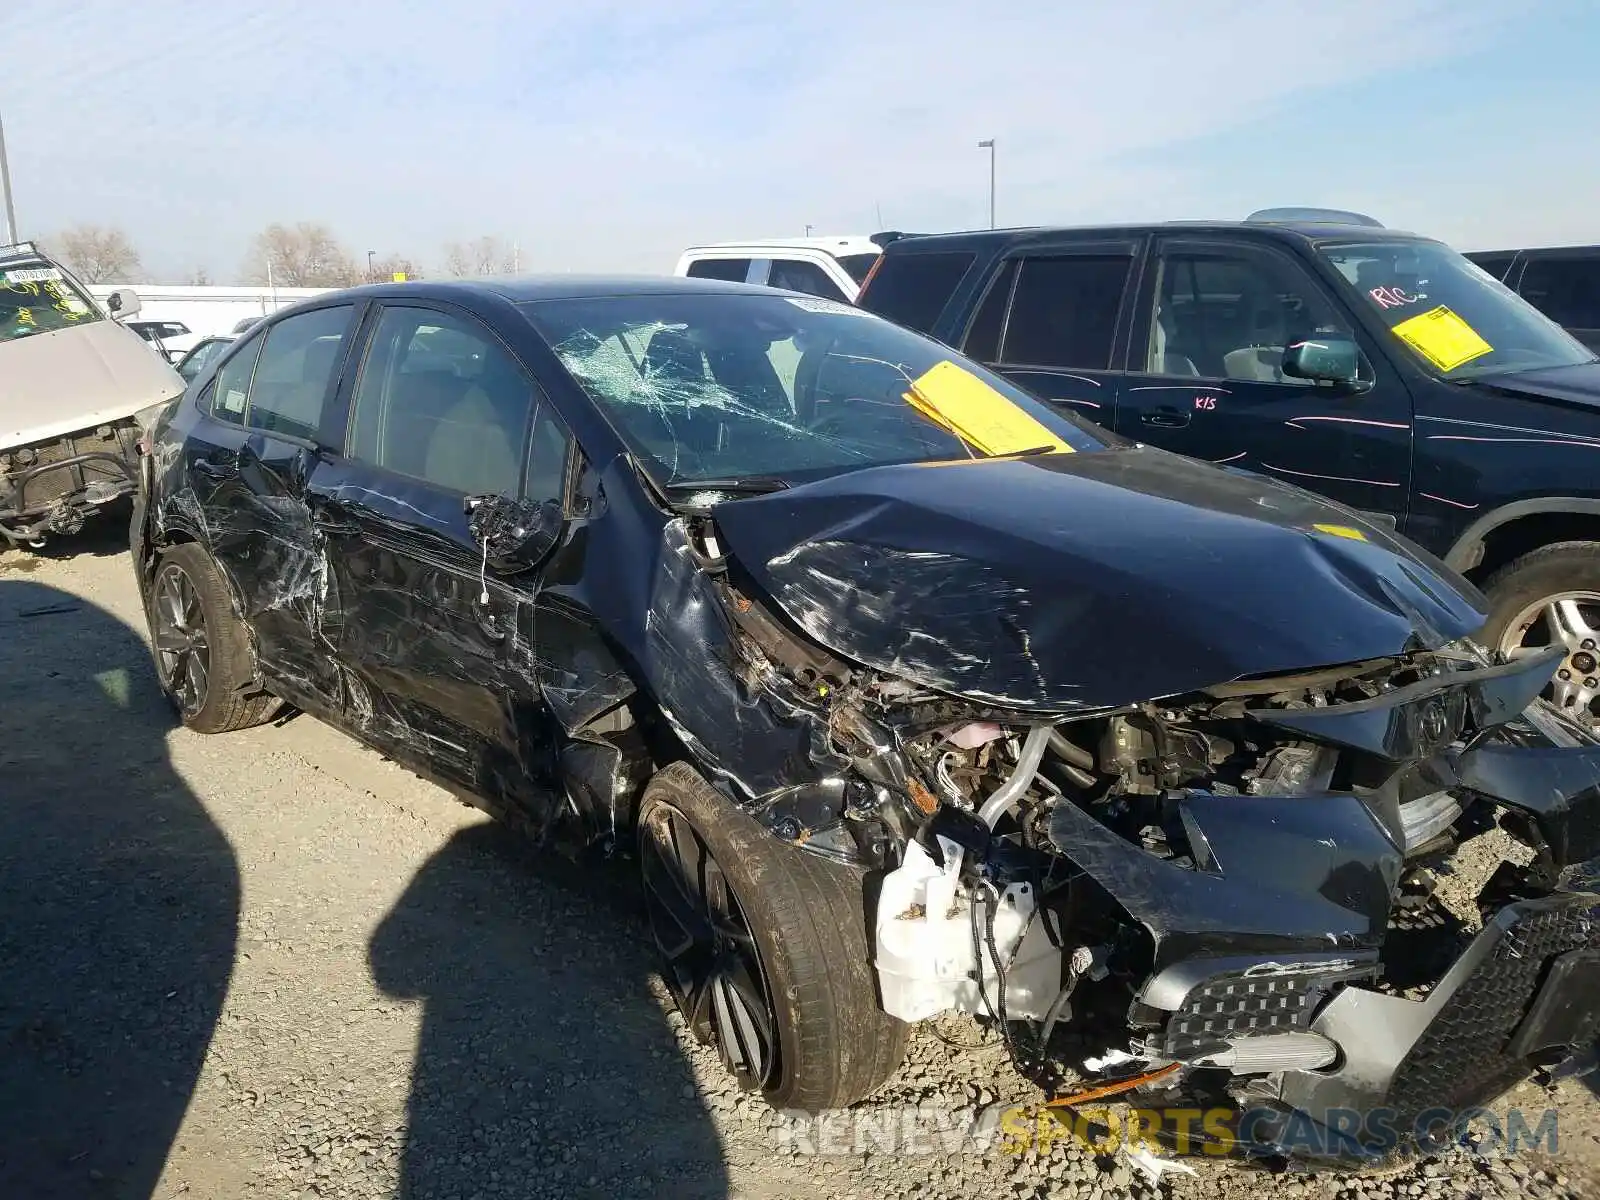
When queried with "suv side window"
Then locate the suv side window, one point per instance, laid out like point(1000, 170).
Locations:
point(1495, 264)
point(1567, 290)
point(797, 275)
point(441, 400)
point(230, 390)
point(988, 323)
point(912, 289)
point(1064, 311)
point(733, 270)
point(1229, 313)
point(297, 365)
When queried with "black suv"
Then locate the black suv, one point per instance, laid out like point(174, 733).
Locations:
point(1379, 368)
point(1561, 282)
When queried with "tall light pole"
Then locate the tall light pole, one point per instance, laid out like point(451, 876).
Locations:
point(371, 254)
point(988, 144)
point(5, 187)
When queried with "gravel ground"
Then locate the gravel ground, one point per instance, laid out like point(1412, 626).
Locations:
point(273, 964)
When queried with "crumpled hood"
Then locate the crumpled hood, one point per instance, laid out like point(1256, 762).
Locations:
point(70, 379)
point(1070, 580)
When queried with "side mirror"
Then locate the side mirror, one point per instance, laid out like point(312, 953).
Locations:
point(1324, 358)
point(514, 533)
point(123, 303)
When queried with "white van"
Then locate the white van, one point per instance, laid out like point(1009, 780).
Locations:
point(72, 377)
point(821, 266)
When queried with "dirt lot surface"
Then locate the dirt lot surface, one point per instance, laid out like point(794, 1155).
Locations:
point(273, 964)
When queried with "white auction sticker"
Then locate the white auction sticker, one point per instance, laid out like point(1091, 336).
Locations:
point(33, 275)
point(819, 305)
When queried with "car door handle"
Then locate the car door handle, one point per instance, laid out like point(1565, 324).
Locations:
point(1167, 417)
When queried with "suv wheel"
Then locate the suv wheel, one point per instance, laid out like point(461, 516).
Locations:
point(1550, 597)
point(201, 650)
point(764, 948)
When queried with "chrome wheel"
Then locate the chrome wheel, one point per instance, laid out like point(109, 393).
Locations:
point(183, 654)
point(1570, 620)
point(712, 964)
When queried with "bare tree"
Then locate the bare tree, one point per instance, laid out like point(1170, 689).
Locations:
point(98, 255)
point(386, 268)
point(308, 255)
point(487, 255)
point(199, 277)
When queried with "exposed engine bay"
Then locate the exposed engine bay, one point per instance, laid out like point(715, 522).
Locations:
point(54, 486)
point(1243, 877)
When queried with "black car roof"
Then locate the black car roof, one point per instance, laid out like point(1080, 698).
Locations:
point(521, 289)
point(1307, 231)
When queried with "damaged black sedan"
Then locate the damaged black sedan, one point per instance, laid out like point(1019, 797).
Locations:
point(913, 695)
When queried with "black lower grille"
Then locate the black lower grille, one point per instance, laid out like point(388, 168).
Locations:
point(1460, 1060)
point(1243, 1004)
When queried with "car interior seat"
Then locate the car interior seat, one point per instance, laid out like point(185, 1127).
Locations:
point(1165, 360)
point(476, 445)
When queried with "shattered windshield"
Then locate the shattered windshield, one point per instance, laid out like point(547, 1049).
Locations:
point(38, 298)
point(1452, 314)
point(740, 387)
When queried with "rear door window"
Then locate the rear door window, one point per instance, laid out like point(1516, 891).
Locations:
point(230, 390)
point(913, 289)
point(1496, 264)
point(296, 369)
point(1064, 312)
point(988, 323)
point(857, 266)
point(732, 270)
point(1567, 290)
point(797, 275)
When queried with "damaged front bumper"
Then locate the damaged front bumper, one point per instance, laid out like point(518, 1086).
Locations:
point(1290, 975)
point(1323, 1064)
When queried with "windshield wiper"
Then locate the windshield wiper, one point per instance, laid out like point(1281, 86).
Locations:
point(750, 485)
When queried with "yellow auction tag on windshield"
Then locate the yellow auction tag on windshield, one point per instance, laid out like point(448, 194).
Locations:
point(976, 413)
point(1443, 338)
point(1344, 531)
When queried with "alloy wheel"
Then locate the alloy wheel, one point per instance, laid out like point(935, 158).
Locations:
point(712, 964)
point(183, 653)
point(1570, 620)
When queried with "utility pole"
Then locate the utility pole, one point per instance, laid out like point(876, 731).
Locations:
point(808, 231)
point(371, 274)
point(988, 144)
point(5, 187)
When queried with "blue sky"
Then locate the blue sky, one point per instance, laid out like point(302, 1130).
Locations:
point(609, 135)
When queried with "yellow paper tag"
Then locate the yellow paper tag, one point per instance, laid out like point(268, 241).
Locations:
point(958, 400)
point(1344, 531)
point(1443, 338)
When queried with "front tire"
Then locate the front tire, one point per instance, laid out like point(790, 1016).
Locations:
point(202, 652)
point(764, 948)
point(1551, 596)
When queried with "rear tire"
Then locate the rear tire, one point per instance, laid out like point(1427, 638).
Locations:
point(831, 1044)
point(202, 651)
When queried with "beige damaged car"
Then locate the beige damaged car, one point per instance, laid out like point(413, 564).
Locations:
point(72, 379)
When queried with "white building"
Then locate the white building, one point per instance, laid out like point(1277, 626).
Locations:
point(208, 309)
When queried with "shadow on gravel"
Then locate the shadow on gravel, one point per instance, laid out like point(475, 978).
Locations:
point(118, 907)
point(545, 1067)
